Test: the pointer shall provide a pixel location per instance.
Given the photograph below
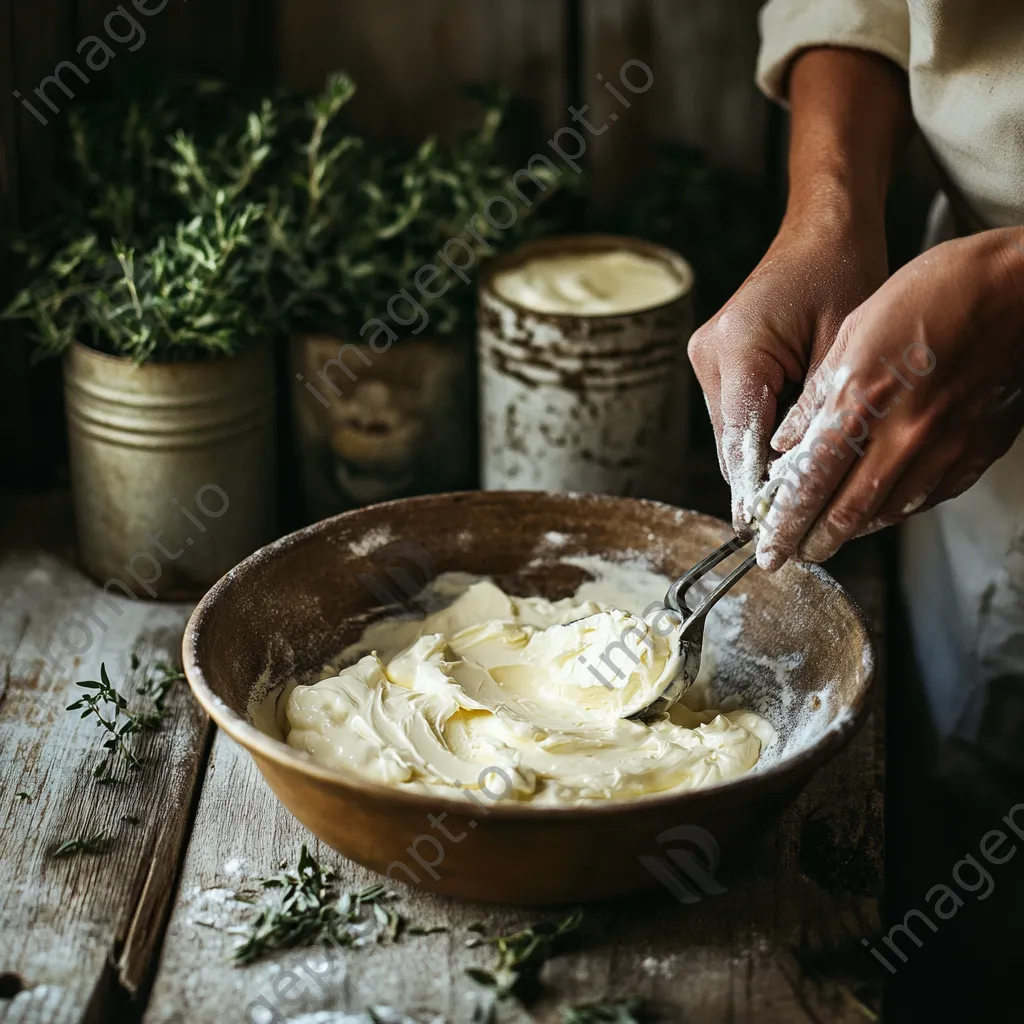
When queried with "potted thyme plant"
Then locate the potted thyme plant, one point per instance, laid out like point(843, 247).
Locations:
point(373, 254)
point(156, 308)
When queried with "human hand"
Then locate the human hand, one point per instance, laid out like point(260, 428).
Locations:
point(826, 259)
point(919, 395)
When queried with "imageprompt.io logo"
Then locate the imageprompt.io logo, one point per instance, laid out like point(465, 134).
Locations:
point(688, 867)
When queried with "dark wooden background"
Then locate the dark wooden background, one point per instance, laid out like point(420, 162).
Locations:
point(410, 57)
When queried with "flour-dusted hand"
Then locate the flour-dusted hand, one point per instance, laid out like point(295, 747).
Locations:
point(850, 112)
point(783, 321)
point(927, 391)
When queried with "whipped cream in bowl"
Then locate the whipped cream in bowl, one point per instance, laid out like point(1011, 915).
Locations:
point(522, 695)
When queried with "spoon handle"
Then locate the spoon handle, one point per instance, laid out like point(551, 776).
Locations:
point(676, 597)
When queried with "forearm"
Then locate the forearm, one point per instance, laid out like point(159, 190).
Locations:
point(851, 120)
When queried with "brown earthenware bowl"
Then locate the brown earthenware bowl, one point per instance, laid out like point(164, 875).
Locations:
point(792, 646)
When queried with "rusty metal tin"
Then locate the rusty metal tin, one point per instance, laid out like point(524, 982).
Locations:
point(375, 424)
point(585, 403)
point(173, 470)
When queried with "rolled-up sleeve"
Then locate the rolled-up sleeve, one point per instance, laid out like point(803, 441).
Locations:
point(789, 26)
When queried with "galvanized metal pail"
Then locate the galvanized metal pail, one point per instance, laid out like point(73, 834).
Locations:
point(173, 471)
point(585, 403)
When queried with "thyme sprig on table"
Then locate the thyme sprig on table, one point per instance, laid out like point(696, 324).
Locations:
point(522, 954)
point(157, 688)
point(619, 1011)
point(110, 709)
point(98, 842)
point(310, 910)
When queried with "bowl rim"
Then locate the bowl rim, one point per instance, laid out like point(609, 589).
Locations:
point(262, 746)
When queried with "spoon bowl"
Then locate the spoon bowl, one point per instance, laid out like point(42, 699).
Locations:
point(691, 635)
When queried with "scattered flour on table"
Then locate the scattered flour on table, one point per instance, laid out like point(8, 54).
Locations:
point(233, 867)
point(213, 908)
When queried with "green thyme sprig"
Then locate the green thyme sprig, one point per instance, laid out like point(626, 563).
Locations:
point(521, 955)
point(120, 183)
point(420, 929)
point(192, 226)
point(189, 287)
point(621, 1011)
point(156, 688)
point(352, 223)
point(310, 910)
point(97, 843)
point(109, 707)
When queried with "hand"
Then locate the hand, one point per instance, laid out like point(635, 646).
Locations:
point(850, 117)
point(920, 394)
point(824, 262)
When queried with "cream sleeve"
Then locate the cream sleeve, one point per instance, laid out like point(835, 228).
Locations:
point(789, 26)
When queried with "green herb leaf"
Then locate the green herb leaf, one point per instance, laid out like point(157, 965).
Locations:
point(623, 1011)
point(309, 909)
point(110, 709)
point(521, 954)
point(97, 843)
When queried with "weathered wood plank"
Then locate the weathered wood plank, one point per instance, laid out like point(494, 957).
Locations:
point(778, 946)
point(701, 54)
point(79, 933)
point(99, 18)
point(411, 59)
point(781, 945)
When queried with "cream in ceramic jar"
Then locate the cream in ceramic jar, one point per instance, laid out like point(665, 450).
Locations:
point(522, 698)
point(590, 283)
point(584, 379)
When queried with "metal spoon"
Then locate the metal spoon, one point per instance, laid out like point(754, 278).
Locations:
point(691, 636)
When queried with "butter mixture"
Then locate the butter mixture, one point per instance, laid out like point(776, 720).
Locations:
point(518, 698)
point(591, 284)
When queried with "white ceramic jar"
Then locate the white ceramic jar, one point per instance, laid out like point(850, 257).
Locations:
point(584, 379)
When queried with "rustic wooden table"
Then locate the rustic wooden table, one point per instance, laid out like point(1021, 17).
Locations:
point(144, 931)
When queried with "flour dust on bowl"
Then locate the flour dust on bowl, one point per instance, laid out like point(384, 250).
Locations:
point(790, 647)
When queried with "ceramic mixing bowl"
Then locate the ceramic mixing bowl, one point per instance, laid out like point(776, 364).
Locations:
point(791, 646)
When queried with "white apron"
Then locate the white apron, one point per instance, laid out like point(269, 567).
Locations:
point(962, 575)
